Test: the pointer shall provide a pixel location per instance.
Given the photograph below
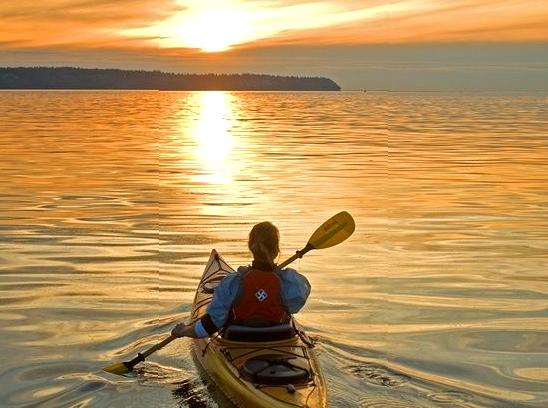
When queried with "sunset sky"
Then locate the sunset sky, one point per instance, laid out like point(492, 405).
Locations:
point(374, 44)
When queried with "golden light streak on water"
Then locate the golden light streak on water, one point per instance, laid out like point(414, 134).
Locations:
point(213, 137)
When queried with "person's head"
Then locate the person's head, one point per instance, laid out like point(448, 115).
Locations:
point(264, 242)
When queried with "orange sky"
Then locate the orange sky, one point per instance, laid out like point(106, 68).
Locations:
point(247, 35)
point(220, 24)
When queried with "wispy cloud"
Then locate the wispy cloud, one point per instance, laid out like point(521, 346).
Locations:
point(90, 23)
point(218, 25)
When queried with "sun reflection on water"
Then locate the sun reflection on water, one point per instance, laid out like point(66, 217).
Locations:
point(213, 137)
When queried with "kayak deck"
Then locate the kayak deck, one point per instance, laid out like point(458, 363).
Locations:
point(288, 373)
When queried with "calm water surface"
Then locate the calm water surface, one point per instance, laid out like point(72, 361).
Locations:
point(110, 203)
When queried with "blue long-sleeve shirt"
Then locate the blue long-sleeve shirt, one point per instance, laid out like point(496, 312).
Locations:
point(295, 289)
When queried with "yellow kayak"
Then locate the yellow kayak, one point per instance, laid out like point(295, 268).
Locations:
point(257, 367)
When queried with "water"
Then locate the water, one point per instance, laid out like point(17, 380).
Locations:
point(111, 201)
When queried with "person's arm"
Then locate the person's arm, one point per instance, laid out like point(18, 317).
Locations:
point(295, 289)
point(217, 312)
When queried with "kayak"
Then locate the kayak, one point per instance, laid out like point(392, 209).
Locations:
point(257, 367)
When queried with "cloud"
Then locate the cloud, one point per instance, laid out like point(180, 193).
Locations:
point(70, 22)
point(431, 21)
point(219, 25)
point(476, 21)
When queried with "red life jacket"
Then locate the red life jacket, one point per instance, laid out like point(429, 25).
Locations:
point(259, 301)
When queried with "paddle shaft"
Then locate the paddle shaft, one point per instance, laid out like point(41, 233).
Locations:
point(163, 343)
point(158, 346)
point(298, 254)
point(141, 356)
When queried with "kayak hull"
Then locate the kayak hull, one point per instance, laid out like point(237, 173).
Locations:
point(223, 360)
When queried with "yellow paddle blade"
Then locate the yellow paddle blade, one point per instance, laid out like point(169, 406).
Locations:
point(332, 232)
point(118, 368)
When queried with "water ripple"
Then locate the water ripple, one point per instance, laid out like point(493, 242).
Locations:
point(114, 200)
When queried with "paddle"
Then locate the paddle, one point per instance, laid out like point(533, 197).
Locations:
point(126, 366)
point(332, 232)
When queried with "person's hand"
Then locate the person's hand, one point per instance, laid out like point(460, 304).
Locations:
point(181, 330)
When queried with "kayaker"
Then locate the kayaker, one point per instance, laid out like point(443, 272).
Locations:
point(257, 295)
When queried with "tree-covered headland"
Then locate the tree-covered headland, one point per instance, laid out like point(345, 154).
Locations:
point(83, 78)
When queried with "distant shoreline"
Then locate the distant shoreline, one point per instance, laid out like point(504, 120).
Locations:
point(70, 78)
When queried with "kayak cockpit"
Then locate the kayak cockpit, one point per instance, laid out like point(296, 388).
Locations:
point(258, 334)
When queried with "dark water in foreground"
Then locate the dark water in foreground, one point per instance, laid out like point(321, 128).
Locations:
point(111, 201)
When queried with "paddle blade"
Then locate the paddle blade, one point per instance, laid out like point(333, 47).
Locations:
point(118, 368)
point(332, 232)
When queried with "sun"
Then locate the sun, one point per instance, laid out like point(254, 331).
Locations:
point(206, 29)
point(214, 30)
